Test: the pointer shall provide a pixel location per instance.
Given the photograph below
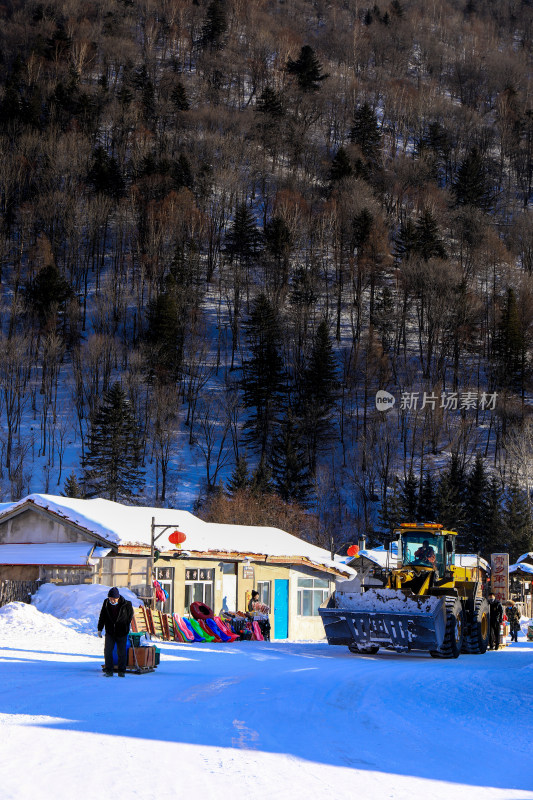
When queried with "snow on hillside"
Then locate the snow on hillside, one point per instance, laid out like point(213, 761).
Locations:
point(284, 720)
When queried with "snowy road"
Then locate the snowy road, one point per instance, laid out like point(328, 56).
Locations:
point(238, 721)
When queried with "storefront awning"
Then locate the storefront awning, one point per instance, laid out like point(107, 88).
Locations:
point(75, 554)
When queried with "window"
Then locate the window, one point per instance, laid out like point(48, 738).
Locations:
point(311, 594)
point(422, 549)
point(199, 586)
point(165, 576)
point(263, 587)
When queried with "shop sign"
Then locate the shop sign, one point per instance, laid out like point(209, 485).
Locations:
point(499, 575)
point(248, 572)
point(199, 574)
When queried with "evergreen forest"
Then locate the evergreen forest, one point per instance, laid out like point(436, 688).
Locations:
point(225, 225)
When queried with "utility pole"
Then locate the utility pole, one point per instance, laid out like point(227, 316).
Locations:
point(153, 540)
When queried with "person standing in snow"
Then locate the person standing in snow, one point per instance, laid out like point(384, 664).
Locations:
point(256, 605)
point(496, 617)
point(115, 617)
point(513, 615)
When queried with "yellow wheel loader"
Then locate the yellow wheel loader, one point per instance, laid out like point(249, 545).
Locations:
point(426, 601)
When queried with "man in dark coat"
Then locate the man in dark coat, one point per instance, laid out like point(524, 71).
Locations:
point(496, 617)
point(115, 617)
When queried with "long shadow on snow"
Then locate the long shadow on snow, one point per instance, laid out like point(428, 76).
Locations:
point(406, 715)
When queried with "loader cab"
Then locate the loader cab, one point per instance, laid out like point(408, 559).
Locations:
point(426, 546)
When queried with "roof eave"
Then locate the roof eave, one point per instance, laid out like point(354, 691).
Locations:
point(227, 555)
point(14, 512)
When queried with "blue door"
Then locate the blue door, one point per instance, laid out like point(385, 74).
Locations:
point(281, 609)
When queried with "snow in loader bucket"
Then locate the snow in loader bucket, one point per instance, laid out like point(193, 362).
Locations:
point(386, 618)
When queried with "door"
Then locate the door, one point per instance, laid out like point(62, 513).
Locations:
point(229, 587)
point(281, 609)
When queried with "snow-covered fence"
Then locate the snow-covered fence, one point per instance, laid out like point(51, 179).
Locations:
point(10, 591)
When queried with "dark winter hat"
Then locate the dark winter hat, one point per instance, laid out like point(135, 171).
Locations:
point(114, 592)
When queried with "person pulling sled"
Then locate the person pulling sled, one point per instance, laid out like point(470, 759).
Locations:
point(116, 616)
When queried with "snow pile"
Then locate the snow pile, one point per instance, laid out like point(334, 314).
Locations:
point(25, 619)
point(389, 601)
point(23, 627)
point(80, 604)
point(386, 559)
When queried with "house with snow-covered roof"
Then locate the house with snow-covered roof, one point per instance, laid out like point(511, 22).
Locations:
point(67, 540)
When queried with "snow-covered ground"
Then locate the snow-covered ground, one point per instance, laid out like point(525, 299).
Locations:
point(253, 719)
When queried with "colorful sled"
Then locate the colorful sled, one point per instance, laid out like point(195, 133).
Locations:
point(197, 624)
point(209, 633)
point(197, 637)
point(225, 629)
point(188, 635)
point(258, 636)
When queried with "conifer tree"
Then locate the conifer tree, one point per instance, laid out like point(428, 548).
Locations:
point(517, 522)
point(307, 70)
point(242, 240)
point(182, 173)
point(494, 533)
point(112, 464)
point(165, 335)
point(450, 496)
point(427, 240)
point(476, 493)
point(278, 239)
point(510, 345)
point(179, 97)
point(278, 244)
point(427, 510)
point(261, 480)
point(391, 514)
point(409, 498)
point(105, 175)
point(289, 468)
point(362, 228)
point(215, 25)
point(269, 116)
point(263, 375)
point(319, 394)
point(72, 487)
point(48, 294)
point(340, 166)
point(397, 9)
point(365, 132)
point(269, 103)
point(405, 241)
point(471, 184)
point(240, 479)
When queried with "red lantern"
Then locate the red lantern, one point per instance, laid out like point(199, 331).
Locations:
point(177, 537)
point(353, 550)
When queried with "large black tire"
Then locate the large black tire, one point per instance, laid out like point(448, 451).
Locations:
point(477, 634)
point(371, 650)
point(453, 638)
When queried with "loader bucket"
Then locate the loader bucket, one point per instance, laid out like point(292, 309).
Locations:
point(386, 618)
